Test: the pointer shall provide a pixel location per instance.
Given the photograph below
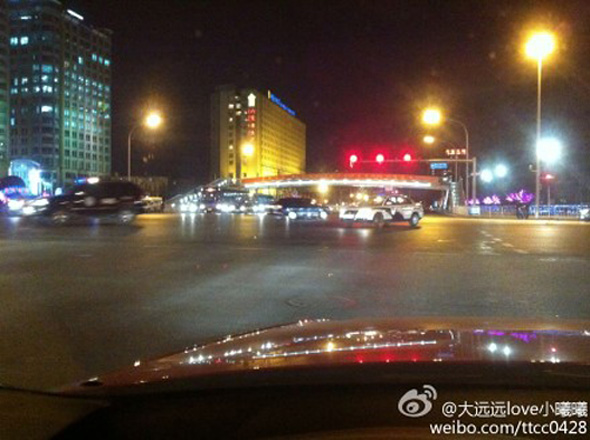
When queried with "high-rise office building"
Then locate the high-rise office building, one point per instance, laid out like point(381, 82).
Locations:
point(4, 130)
point(254, 135)
point(60, 91)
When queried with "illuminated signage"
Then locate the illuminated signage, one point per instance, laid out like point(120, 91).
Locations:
point(251, 100)
point(280, 103)
point(439, 166)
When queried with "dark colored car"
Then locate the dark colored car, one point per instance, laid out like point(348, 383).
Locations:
point(298, 208)
point(118, 200)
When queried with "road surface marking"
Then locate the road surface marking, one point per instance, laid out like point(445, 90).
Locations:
point(520, 251)
point(508, 245)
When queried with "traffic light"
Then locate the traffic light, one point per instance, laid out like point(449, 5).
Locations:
point(379, 158)
point(353, 159)
point(407, 157)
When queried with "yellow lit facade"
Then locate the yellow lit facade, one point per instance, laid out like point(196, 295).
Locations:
point(254, 135)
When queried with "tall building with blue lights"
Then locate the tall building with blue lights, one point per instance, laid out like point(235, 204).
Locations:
point(60, 91)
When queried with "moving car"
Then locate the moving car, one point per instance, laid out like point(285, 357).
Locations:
point(585, 214)
point(153, 204)
point(392, 209)
point(118, 200)
point(299, 208)
point(320, 379)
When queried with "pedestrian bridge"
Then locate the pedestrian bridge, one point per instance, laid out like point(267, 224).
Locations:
point(364, 180)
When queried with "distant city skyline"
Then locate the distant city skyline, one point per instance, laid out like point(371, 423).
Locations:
point(358, 73)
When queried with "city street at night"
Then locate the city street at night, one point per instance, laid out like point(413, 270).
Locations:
point(81, 300)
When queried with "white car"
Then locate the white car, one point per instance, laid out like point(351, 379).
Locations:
point(585, 214)
point(393, 208)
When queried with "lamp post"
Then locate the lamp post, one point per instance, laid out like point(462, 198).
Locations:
point(152, 121)
point(432, 116)
point(538, 47)
point(548, 151)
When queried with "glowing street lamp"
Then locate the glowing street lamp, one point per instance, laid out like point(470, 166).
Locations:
point(380, 158)
point(548, 150)
point(486, 175)
point(432, 116)
point(152, 121)
point(538, 47)
point(248, 150)
point(428, 139)
point(500, 171)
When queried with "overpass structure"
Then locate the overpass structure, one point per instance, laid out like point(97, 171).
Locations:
point(363, 180)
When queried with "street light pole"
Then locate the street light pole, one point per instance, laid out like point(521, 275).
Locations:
point(135, 127)
point(538, 163)
point(152, 120)
point(466, 156)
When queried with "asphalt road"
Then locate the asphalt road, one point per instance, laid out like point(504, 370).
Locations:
point(82, 300)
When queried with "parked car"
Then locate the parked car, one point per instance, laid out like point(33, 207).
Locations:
point(393, 208)
point(298, 208)
point(118, 200)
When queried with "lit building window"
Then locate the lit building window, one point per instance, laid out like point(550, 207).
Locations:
point(14, 41)
point(46, 109)
point(80, 60)
point(24, 41)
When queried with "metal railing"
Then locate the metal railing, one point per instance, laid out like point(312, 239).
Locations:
point(545, 211)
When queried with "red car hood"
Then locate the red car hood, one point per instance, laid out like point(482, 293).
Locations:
point(314, 344)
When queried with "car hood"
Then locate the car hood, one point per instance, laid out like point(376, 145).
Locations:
point(316, 344)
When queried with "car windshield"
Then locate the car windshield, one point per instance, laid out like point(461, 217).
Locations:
point(295, 202)
point(347, 161)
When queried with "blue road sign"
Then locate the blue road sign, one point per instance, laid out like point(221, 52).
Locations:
point(439, 165)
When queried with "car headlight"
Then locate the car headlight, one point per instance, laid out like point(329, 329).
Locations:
point(15, 205)
point(29, 210)
point(39, 203)
point(202, 206)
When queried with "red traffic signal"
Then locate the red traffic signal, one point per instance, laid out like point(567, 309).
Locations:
point(379, 158)
point(353, 159)
point(407, 157)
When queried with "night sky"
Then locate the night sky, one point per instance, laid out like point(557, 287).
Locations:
point(357, 73)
